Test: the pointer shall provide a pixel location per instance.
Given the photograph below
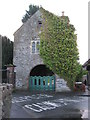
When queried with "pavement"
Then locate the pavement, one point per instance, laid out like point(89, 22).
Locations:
point(62, 105)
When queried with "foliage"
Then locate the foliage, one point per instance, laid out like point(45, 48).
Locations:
point(80, 74)
point(7, 51)
point(58, 46)
point(30, 12)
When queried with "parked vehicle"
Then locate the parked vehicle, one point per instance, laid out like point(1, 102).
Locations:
point(79, 86)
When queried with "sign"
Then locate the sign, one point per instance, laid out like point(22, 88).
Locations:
point(61, 85)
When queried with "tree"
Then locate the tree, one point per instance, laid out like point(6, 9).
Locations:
point(7, 51)
point(30, 12)
point(80, 74)
point(58, 46)
point(7, 55)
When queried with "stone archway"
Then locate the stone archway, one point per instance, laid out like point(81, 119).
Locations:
point(41, 78)
point(41, 70)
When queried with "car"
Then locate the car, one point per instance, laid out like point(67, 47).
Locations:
point(79, 86)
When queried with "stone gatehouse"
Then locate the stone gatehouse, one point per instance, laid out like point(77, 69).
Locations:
point(31, 72)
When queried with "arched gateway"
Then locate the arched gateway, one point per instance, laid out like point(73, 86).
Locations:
point(41, 78)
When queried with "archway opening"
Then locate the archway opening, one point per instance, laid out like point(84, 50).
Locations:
point(41, 70)
point(41, 78)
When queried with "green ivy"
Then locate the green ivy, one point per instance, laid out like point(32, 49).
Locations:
point(58, 46)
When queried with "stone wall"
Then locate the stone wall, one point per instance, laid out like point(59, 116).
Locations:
point(61, 85)
point(5, 100)
point(23, 57)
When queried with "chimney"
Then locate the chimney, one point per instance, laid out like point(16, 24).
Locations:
point(62, 13)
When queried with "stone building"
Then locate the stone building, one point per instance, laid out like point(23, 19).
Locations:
point(31, 72)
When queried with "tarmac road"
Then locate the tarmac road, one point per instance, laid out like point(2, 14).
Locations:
point(49, 105)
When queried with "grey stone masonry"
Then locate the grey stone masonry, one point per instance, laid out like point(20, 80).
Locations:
point(5, 100)
point(61, 85)
point(23, 57)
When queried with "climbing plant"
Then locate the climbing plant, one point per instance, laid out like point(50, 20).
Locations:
point(58, 46)
point(80, 73)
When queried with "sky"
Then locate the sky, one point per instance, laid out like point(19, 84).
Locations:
point(12, 11)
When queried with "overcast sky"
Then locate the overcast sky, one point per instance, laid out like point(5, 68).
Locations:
point(12, 11)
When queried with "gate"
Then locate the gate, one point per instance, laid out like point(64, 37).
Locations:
point(42, 83)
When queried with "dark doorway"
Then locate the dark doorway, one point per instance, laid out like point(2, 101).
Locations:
point(41, 78)
point(41, 70)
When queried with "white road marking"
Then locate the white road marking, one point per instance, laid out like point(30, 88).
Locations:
point(29, 98)
point(49, 105)
point(45, 105)
point(30, 107)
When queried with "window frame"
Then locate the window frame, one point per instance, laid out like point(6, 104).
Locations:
point(36, 49)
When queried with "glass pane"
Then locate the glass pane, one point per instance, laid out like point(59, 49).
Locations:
point(33, 47)
point(37, 46)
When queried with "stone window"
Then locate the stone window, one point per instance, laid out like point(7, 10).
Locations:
point(39, 24)
point(35, 46)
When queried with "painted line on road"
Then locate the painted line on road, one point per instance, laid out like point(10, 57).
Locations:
point(29, 98)
point(49, 105)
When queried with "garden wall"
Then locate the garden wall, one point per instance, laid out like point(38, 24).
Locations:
point(5, 100)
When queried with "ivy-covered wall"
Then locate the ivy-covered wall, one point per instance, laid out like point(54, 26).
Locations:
point(58, 46)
